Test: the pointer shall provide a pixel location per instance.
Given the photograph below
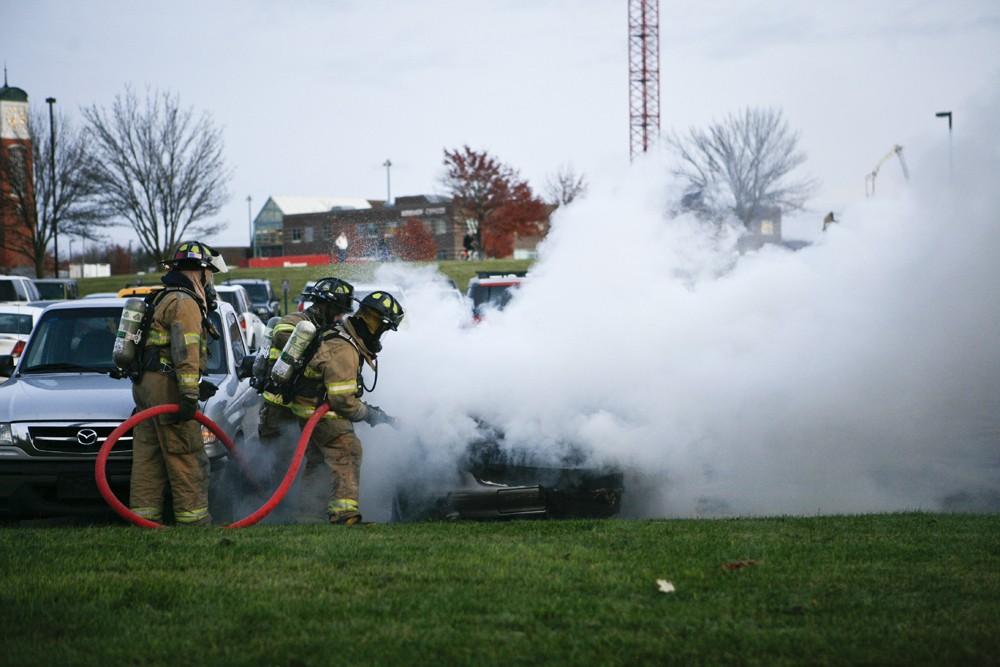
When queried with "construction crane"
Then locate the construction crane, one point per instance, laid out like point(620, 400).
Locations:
point(643, 75)
point(896, 150)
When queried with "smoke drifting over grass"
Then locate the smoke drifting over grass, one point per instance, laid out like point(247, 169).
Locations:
point(859, 374)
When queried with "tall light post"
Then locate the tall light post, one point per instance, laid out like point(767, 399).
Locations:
point(52, 177)
point(947, 114)
point(253, 236)
point(70, 256)
point(388, 184)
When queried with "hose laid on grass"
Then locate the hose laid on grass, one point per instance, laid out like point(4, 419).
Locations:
point(100, 472)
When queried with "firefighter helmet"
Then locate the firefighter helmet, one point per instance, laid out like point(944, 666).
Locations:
point(386, 306)
point(334, 291)
point(197, 255)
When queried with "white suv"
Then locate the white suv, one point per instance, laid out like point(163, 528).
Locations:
point(17, 288)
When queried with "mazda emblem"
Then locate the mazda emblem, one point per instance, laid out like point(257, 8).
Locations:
point(86, 436)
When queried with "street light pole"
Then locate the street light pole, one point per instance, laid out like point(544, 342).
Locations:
point(253, 236)
point(52, 177)
point(388, 184)
point(947, 114)
point(70, 255)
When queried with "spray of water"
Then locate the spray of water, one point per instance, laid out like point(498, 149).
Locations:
point(858, 374)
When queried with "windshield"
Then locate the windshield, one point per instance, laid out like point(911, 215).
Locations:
point(51, 290)
point(14, 323)
point(83, 339)
point(495, 295)
point(257, 292)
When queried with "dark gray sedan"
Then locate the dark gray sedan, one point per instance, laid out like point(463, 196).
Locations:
point(60, 405)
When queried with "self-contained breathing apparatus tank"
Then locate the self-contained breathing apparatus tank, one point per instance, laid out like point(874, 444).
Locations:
point(292, 354)
point(260, 362)
point(129, 334)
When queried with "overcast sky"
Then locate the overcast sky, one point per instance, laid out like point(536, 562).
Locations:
point(314, 96)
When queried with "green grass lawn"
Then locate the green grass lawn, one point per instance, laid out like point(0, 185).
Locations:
point(458, 271)
point(885, 589)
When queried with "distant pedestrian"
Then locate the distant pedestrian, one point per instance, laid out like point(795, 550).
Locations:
point(469, 245)
point(341, 244)
point(829, 220)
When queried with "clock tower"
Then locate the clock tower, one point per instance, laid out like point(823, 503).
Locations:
point(16, 177)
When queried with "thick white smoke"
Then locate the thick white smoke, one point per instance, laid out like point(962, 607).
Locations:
point(859, 374)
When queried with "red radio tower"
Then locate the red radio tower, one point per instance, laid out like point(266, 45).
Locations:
point(643, 75)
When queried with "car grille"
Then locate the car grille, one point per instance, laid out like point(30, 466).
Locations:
point(76, 438)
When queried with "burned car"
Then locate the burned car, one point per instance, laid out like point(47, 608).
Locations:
point(494, 481)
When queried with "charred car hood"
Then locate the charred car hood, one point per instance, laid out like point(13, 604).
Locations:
point(72, 396)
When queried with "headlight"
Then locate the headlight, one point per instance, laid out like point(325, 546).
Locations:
point(6, 435)
point(207, 437)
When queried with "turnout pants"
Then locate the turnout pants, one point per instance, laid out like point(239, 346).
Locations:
point(165, 454)
point(334, 444)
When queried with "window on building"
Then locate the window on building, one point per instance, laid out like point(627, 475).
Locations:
point(439, 225)
point(327, 231)
point(308, 236)
point(296, 234)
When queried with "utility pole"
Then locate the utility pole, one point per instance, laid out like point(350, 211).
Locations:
point(52, 177)
point(947, 114)
point(253, 237)
point(388, 184)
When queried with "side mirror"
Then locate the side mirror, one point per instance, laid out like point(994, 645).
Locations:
point(6, 364)
point(245, 368)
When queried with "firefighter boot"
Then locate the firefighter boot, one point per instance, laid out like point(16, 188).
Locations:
point(344, 512)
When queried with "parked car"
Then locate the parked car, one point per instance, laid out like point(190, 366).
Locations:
point(60, 404)
point(251, 325)
point(17, 288)
point(16, 323)
point(493, 481)
point(101, 295)
point(491, 290)
point(262, 297)
point(57, 289)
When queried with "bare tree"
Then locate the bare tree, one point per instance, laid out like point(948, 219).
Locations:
point(564, 186)
point(158, 168)
point(741, 166)
point(38, 207)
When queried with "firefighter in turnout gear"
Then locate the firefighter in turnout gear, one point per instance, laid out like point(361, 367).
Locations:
point(338, 362)
point(332, 298)
point(169, 449)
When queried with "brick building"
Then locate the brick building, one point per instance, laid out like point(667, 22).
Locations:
point(269, 223)
point(16, 179)
point(372, 231)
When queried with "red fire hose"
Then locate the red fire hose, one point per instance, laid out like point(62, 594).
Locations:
point(286, 483)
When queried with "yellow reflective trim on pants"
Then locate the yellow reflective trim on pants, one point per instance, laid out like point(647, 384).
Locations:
point(311, 373)
point(187, 379)
point(342, 387)
point(192, 339)
point(150, 513)
point(275, 398)
point(342, 505)
point(191, 516)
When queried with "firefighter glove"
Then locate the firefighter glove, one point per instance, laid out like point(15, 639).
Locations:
point(206, 390)
point(377, 415)
point(188, 406)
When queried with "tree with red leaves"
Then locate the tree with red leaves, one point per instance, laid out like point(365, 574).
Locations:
point(492, 194)
point(414, 242)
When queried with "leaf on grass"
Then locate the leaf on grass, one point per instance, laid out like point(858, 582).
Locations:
point(665, 586)
point(738, 564)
